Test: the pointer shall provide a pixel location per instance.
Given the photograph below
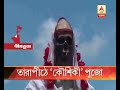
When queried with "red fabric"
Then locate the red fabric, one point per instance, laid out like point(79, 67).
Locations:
point(50, 84)
point(46, 54)
point(81, 63)
point(18, 29)
point(16, 39)
point(78, 56)
point(84, 84)
point(48, 63)
point(62, 31)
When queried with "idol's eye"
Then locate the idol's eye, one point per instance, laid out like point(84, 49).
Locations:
point(69, 40)
point(61, 40)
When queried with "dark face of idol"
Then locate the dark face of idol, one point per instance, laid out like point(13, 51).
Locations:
point(63, 50)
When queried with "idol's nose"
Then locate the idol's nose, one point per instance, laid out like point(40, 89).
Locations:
point(63, 24)
point(65, 45)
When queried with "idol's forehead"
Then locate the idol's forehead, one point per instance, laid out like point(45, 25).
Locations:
point(63, 24)
point(64, 35)
point(63, 32)
point(63, 28)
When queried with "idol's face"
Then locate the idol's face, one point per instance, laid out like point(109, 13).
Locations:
point(63, 44)
point(64, 49)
